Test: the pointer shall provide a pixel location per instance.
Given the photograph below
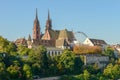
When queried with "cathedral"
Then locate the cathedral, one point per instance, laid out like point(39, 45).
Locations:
point(51, 38)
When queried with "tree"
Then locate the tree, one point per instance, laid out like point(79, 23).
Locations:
point(86, 75)
point(3, 44)
point(38, 59)
point(14, 72)
point(108, 70)
point(36, 68)
point(109, 52)
point(27, 72)
point(3, 73)
point(52, 68)
point(66, 62)
point(78, 63)
point(116, 71)
point(7, 46)
point(23, 50)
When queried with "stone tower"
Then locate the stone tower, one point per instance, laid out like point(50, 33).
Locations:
point(36, 28)
point(48, 22)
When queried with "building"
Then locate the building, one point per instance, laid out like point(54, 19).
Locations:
point(116, 49)
point(94, 42)
point(21, 41)
point(51, 38)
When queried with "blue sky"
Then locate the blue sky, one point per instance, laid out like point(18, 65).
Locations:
point(97, 18)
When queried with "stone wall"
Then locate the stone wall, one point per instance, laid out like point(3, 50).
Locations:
point(92, 59)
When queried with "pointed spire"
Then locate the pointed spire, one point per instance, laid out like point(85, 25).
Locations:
point(36, 14)
point(48, 22)
point(48, 15)
point(29, 38)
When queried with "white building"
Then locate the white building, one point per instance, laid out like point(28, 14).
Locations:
point(94, 42)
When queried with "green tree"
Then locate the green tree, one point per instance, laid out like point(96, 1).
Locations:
point(86, 75)
point(78, 63)
point(23, 50)
point(108, 71)
point(109, 52)
point(27, 72)
point(14, 72)
point(3, 73)
point(3, 44)
point(116, 71)
point(66, 62)
point(53, 69)
point(7, 46)
point(36, 69)
point(38, 59)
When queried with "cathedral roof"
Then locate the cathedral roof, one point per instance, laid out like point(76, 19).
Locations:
point(50, 34)
point(61, 42)
point(64, 34)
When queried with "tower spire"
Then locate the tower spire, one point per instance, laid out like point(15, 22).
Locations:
point(48, 15)
point(48, 22)
point(36, 14)
point(29, 38)
point(36, 27)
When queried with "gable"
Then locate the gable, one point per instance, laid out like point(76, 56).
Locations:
point(88, 42)
point(46, 36)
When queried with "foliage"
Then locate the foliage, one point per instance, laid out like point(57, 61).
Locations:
point(27, 71)
point(66, 62)
point(87, 49)
point(7, 46)
point(14, 72)
point(112, 71)
point(3, 73)
point(78, 63)
point(21, 63)
point(109, 52)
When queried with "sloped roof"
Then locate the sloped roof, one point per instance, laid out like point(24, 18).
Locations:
point(61, 42)
point(98, 42)
point(70, 34)
point(53, 34)
point(20, 41)
point(64, 34)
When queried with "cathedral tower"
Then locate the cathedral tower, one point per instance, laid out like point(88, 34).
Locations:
point(48, 22)
point(36, 28)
